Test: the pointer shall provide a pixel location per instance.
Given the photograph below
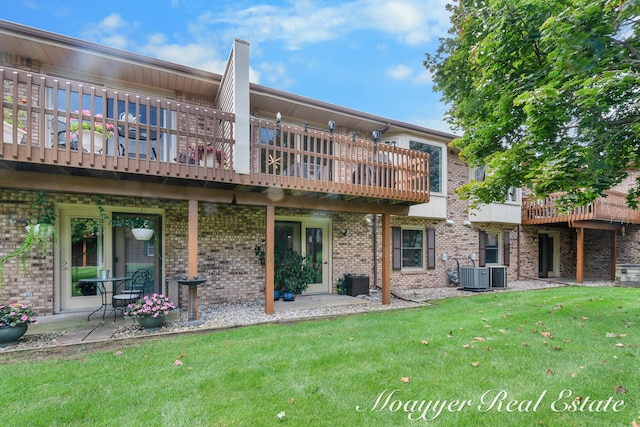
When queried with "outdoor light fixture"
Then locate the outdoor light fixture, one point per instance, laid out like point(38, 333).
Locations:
point(449, 222)
point(353, 136)
point(278, 120)
point(466, 223)
point(332, 126)
point(344, 232)
point(306, 126)
point(376, 136)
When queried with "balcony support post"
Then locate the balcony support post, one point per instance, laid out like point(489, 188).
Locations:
point(269, 260)
point(580, 255)
point(192, 255)
point(612, 258)
point(386, 259)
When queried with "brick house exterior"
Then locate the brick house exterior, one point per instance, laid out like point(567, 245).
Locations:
point(231, 220)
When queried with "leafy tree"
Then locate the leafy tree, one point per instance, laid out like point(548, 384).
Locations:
point(545, 92)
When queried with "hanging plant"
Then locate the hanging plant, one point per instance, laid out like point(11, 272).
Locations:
point(40, 230)
point(141, 226)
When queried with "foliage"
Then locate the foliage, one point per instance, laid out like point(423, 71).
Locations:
point(546, 94)
point(86, 125)
point(16, 314)
point(44, 212)
point(40, 231)
point(318, 372)
point(8, 114)
point(150, 306)
point(292, 271)
point(127, 221)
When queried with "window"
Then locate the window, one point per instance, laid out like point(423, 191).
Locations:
point(479, 174)
point(435, 163)
point(409, 248)
point(494, 248)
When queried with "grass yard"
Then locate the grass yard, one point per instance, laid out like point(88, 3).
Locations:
point(559, 357)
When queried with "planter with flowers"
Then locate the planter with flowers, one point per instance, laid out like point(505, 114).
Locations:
point(14, 322)
point(90, 132)
point(150, 311)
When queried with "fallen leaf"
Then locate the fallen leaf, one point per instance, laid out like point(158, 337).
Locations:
point(619, 344)
point(405, 379)
point(557, 348)
point(584, 318)
point(466, 346)
point(425, 342)
point(573, 375)
point(178, 363)
point(476, 364)
point(181, 356)
point(117, 353)
point(292, 400)
point(620, 389)
point(524, 344)
point(549, 372)
point(489, 349)
point(547, 335)
point(611, 335)
point(566, 341)
point(478, 339)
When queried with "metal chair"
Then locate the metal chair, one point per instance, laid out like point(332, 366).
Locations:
point(132, 291)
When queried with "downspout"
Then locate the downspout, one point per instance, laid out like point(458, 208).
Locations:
point(518, 266)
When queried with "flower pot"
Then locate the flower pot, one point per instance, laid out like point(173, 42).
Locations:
point(10, 334)
point(276, 294)
point(288, 296)
point(36, 229)
point(142, 233)
point(151, 323)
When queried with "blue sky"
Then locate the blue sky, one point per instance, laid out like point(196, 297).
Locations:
point(361, 54)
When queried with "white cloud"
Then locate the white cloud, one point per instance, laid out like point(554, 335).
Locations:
point(404, 72)
point(400, 72)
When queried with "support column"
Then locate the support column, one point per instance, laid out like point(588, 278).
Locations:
point(270, 227)
point(386, 259)
point(580, 255)
point(614, 254)
point(192, 257)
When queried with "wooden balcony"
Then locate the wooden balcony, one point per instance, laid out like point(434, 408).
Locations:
point(612, 208)
point(53, 125)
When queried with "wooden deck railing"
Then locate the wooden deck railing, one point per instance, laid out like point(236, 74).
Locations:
point(312, 160)
point(612, 208)
point(48, 120)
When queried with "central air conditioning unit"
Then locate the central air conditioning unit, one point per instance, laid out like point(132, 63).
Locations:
point(498, 277)
point(474, 277)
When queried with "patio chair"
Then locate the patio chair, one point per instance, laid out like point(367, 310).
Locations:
point(132, 291)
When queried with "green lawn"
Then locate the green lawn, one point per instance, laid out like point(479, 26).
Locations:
point(559, 357)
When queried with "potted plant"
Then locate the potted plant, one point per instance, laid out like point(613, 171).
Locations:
point(292, 271)
point(86, 126)
point(150, 311)
point(40, 229)
point(14, 321)
point(141, 226)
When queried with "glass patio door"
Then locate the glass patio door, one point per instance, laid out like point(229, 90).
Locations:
point(309, 237)
point(83, 253)
point(315, 247)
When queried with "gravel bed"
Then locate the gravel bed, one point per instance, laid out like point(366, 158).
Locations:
point(239, 314)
